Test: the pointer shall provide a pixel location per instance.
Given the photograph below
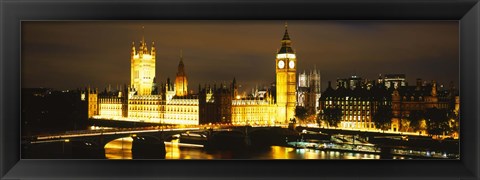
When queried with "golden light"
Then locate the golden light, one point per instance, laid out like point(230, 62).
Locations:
point(291, 64)
point(67, 140)
point(142, 106)
point(286, 55)
point(281, 64)
point(120, 148)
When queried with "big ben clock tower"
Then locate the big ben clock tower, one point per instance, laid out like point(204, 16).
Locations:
point(286, 70)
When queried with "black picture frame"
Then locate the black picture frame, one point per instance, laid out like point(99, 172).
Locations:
point(13, 12)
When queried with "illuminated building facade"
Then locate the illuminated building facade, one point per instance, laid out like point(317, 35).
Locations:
point(286, 72)
point(406, 99)
point(394, 80)
point(351, 83)
point(357, 105)
point(142, 104)
point(91, 96)
point(181, 83)
point(225, 105)
point(254, 112)
point(182, 110)
point(360, 104)
point(111, 106)
point(143, 101)
point(168, 91)
point(146, 108)
point(309, 91)
point(220, 105)
point(142, 71)
point(302, 89)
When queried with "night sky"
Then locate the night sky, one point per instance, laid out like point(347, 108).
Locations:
point(75, 54)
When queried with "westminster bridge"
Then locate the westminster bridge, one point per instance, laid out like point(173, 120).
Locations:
point(223, 137)
point(94, 140)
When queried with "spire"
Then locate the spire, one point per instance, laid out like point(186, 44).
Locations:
point(434, 88)
point(181, 66)
point(143, 34)
point(286, 42)
point(152, 49)
point(133, 48)
point(285, 36)
point(181, 58)
point(143, 45)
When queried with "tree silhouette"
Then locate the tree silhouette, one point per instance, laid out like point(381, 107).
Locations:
point(383, 117)
point(415, 117)
point(332, 116)
point(301, 112)
point(455, 123)
point(437, 121)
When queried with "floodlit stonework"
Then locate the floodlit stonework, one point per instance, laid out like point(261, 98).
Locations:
point(171, 103)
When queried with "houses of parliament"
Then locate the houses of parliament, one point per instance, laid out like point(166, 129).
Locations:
point(172, 102)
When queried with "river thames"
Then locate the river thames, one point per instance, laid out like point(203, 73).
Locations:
point(121, 149)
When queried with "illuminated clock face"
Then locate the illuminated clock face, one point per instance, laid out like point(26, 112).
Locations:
point(281, 64)
point(291, 64)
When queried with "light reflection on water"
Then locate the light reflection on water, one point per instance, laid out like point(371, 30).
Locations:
point(174, 151)
point(121, 149)
point(278, 152)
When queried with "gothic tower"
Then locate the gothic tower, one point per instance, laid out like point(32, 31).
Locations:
point(286, 70)
point(142, 72)
point(181, 82)
point(234, 88)
point(92, 100)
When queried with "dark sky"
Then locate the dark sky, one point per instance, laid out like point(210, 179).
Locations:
point(74, 54)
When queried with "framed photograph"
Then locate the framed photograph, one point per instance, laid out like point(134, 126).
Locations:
point(278, 89)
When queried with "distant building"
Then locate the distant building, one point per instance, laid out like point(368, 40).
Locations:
point(309, 91)
point(91, 96)
point(360, 104)
point(357, 105)
point(47, 110)
point(395, 80)
point(350, 83)
point(354, 82)
point(406, 99)
point(215, 104)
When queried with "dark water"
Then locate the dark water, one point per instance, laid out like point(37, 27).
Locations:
point(121, 149)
